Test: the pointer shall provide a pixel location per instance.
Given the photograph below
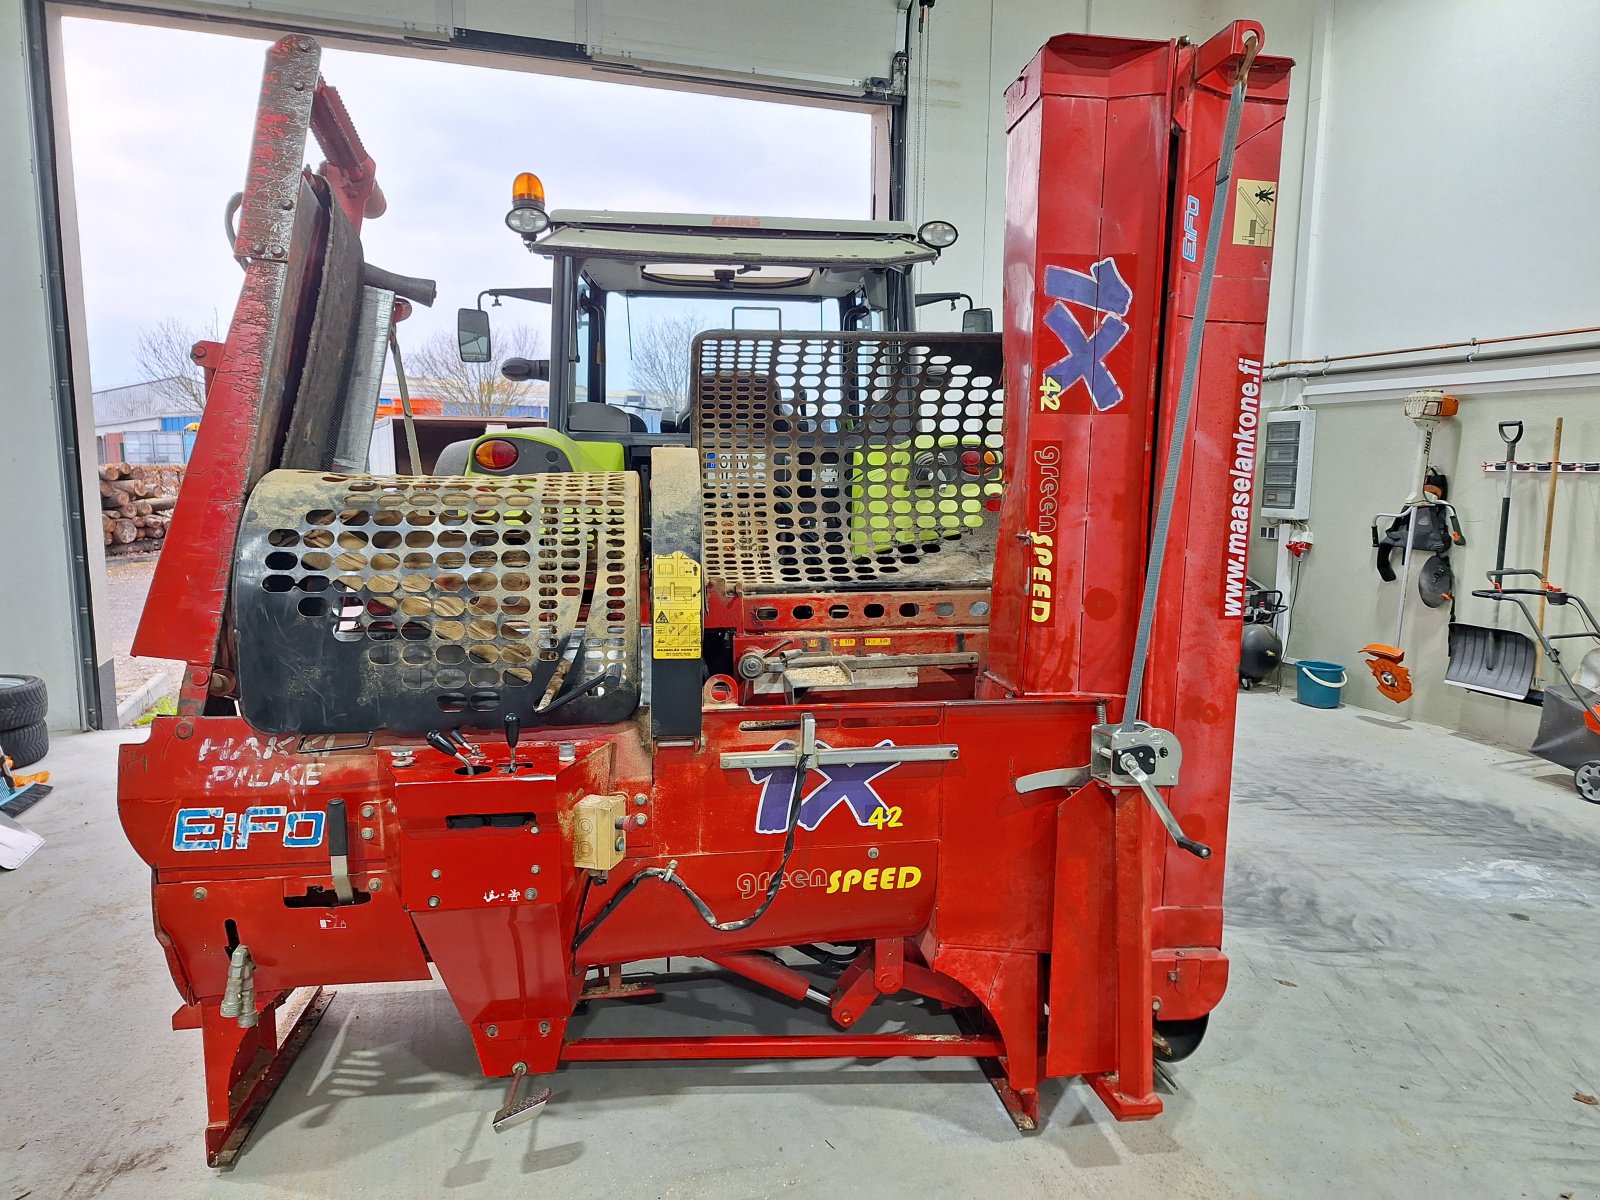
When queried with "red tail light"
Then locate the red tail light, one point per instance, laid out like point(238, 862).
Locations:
point(495, 455)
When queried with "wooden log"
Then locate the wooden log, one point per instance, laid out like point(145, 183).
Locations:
point(162, 503)
point(124, 531)
point(139, 546)
point(123, 492)
point(110, 471)
point(142, 508)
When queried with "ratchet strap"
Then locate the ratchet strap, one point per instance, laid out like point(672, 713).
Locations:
point(1191, 372)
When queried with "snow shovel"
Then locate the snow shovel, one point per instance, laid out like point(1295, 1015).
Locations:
point(1488, 659)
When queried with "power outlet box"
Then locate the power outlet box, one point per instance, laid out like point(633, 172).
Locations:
point(598, 839)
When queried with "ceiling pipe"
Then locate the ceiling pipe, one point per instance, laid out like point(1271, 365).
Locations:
point(1317, 368)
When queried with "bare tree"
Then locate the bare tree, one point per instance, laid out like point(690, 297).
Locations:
point(436, 368)
point(163, 355)
point(661, 360)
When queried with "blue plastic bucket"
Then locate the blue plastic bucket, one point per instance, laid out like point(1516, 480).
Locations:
point(1318, 684)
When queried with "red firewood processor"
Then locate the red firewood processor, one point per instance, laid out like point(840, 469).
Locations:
point(877, 661)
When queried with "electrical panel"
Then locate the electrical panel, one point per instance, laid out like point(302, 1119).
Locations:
point(1286, 478)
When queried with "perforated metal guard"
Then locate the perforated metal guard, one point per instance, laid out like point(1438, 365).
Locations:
point(408, 604)
point(850, 460)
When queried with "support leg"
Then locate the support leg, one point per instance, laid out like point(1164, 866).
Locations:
point(1007, 986)
point(245, 1066)
point(1129, 1091)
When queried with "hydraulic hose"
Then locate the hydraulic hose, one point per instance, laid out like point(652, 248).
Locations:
point(668, 874)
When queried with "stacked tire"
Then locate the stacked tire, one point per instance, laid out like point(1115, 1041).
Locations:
point(24, 737)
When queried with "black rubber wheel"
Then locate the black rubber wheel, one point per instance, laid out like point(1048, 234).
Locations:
point(1587, 780)
point(22, 701)
point(1180, 1038)
point(27, 745)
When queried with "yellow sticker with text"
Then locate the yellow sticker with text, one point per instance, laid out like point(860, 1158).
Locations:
point(677, 594)
point(1255, 212)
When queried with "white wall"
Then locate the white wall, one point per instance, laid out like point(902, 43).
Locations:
point(976, 49)
point(37, 610)
point(1454, 171)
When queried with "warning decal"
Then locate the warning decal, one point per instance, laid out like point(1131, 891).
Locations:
point(676, 601)
point(1254, 211)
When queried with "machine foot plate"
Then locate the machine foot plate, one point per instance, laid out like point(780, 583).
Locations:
point(256, 1088)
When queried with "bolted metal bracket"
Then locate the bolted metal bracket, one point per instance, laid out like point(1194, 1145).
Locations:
point(1142, 756)
point(813, 755)
point(1113, 748)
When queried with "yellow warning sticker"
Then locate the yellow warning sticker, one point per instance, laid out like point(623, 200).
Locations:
point(1254, 212)
point(676, 596)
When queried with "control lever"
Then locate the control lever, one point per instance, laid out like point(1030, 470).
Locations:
point(467, 747)
point(339, 851)
point(512, 1112)
point(513, 732)
point(445, 746)
point(1127, 763)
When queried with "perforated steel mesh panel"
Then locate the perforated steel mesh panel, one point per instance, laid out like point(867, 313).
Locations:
point(365, 602)
point(848, 460)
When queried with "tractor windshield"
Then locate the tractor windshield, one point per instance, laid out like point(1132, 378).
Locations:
point(632, 347)
point(648, 339)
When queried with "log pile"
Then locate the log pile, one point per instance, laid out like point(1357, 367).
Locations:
point(136, 503)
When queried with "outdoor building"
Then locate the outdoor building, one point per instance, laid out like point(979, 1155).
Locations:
point(143, 423)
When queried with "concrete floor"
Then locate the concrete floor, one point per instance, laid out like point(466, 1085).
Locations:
point(1413, 928)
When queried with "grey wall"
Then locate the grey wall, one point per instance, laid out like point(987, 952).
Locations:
point(38, 601)
point(1451, 172)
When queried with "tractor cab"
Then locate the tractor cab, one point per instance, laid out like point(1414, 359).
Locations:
point(633, 294)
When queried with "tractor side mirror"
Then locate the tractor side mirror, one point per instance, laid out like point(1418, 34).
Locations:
point(472, 334)
point(524, 370)
point(977, 320)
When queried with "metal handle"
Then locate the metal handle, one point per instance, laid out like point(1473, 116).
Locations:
point(339, 851)
point(513, 725)
point(443, 745)
point(1129, 766)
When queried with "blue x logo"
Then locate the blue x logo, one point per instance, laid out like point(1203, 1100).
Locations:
point(1102, 291)
point(842, 783)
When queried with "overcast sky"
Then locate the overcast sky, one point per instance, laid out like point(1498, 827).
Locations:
point(161, 121)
